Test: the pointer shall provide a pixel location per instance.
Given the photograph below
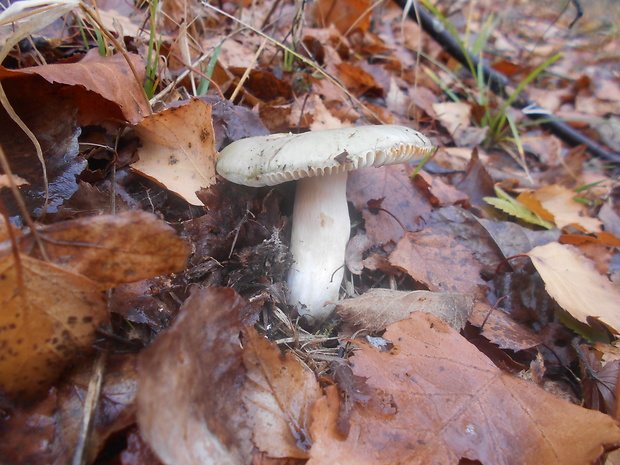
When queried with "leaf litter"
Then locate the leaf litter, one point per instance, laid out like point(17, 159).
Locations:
point(212, 389)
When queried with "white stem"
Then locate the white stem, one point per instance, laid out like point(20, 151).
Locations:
point(321, 229)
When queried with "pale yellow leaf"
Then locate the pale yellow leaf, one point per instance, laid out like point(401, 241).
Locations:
point(560, 202)
point(574, 283)
point(178, 149)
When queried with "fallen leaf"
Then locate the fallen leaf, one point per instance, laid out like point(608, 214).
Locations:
point(573, 282)
point(48, 316)
point(560, 203)
point(278, 395)
point(403, 205)
point(378, 308)
point(344, 14)
point(113, 249)
point(49, 431)
point(52, 118)
point(178, 149)
point(102, 88)
point(434, 258)
point(453, 403)
point(190, 407)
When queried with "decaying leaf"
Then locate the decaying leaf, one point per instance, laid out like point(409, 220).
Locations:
point(574, 283)
point(48, 316)
point(190, 406)
point(378, 308)
point(50, 310)
point(178, 149)
point(278, 395)
point(451, 403)
point(114, 249)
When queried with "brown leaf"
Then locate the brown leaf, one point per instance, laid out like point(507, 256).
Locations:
point(103, 88)
point(378, 308)
point(502, 330)
point(48, 432)
point(113, 249)
point(344, 14)
point(573, 282)
point(435, 259)
point(178, 149)
point(403, 205)
point(48, 316)
point(453, 403)
point(190, 407)
point(278, 395)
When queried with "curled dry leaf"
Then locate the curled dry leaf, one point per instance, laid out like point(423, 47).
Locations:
point(48, 316)
point(573, 282)
point(50, 310)
point(102, 88)
point(278, 394)
point(379, 308)
point(113, 249)
point(190, 407)
point(178, 149)
point(451, 403)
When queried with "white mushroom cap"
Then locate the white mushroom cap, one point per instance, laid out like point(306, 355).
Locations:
point(270, 160)
point(320, 161)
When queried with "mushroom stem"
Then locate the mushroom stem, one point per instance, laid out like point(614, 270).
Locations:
point(321, 229)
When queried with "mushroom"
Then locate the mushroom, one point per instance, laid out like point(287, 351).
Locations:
point(319, 161)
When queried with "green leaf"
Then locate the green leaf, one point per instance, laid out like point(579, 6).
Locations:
point(511, 206)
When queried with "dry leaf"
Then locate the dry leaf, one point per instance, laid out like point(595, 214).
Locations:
point(378, 308)
point(114, 249)
point(190, 406)
point(434, 258)
point(48, 316)
point(278, 395)
point(178, 149)
point(574, 283)
point(102, 88)
point(451, 403)
point(560, 207)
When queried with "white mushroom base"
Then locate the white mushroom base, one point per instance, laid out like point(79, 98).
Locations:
point(321, 229)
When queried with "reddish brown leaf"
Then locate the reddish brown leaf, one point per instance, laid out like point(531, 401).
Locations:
point(114, 249)
point(103, 88)
point(435, 259)
point(452, 403)
point(403, 205)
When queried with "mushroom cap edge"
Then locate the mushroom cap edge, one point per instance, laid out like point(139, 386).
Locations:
point(277, 158)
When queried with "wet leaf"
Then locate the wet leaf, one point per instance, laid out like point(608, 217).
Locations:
point(378, 308)
point(190, 407)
